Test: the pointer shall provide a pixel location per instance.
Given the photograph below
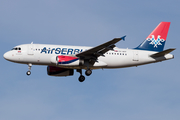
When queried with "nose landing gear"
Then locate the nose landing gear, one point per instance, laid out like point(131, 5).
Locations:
point(28, 73)
point(29, 67)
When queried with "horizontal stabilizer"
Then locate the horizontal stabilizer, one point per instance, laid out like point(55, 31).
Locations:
point(162, 53)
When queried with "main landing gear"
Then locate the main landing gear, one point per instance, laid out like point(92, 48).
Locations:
point(81, 77)
point(29, 67)
point(88, 72)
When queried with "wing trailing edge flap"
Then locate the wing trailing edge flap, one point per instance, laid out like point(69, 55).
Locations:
point(162, 53)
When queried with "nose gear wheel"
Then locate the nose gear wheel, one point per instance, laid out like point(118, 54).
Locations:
point(29, 67)
point(28, 73)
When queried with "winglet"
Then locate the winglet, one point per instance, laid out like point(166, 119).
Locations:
point(123, 38)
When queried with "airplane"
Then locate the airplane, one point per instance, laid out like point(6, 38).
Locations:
point(62, 60)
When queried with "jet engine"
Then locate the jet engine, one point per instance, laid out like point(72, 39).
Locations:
point(57, 71)
point(64, 60)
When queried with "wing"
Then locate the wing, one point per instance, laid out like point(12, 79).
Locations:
point(97, 51)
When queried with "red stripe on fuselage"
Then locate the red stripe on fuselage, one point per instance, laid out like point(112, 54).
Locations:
point(63, 58)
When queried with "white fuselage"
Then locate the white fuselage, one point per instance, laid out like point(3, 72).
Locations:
point(44, 54)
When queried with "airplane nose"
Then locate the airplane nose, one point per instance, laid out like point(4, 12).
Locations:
point(6, 56)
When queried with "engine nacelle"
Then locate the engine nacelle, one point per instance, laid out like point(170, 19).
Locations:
point(65, 60)
point(57, 71)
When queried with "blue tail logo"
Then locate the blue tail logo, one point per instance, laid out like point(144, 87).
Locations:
point(154, 41)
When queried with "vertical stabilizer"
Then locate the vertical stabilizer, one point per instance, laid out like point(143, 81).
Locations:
point(156, 40)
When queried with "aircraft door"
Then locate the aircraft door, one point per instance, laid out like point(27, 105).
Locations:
point(135, 56)
point(30, 49)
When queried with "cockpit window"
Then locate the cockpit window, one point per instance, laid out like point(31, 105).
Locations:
point(16, 48)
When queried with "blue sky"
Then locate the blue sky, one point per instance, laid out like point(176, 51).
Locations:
point(139, 93)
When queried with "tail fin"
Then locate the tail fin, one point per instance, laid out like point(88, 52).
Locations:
point(156, 40)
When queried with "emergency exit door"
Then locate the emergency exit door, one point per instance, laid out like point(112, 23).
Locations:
point(135, 56)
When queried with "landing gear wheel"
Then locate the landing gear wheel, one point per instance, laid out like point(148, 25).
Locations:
point(88, 72)
point(28, 72)
point(81, 78)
